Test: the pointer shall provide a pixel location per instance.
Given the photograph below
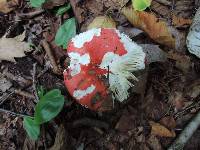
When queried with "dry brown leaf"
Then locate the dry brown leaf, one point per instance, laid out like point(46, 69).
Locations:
point(159, 130)
point(7, 6)
point(13, 47)
point(156, 29)
point(154, 143)
point(179, 22)
point(61, 140)
point(169, 122)
point(4, 84)
point(114, 4)
point(102, 22)
point(182, 61)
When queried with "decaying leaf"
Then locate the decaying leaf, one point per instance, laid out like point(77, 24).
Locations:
point(193, 38)
point(4, 84)
point(13, 47)
point(7, 6)
point(182, 61)
point(154, 143)
point(154, 53)
point(102, 22)
point(159, 130)
point(168, 121)
point(156, 29)
point(179, 22)
point(194, 89)
point(60, 140)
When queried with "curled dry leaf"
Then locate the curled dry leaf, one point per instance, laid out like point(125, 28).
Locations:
point(193, 38)
point(156, 29)
point(7, 6)
point(102, 22)
point(4, 84)
point(159, 130)
point(13, 47)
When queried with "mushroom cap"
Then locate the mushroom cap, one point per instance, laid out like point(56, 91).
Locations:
point(101, 62)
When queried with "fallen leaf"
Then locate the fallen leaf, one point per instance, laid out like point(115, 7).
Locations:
point(159, 130)
point(13, 47)
point(156, 29)
point(154, 143)
point(102, 22)
point(114, 4)
point(7, 6)
point(4, 84)
point(53, 3)
point(60, 140)
point(182, 61)
point(169, 122)
point(179, 22)
point(193, 90)
point(130, 31)
point(177, 99)
point(154, 53)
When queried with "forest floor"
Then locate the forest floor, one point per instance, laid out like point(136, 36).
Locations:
point(161, 104)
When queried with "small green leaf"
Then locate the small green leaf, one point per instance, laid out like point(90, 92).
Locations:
point(40, 91)
point(37, 3)
point(65, 33)
point(49, 106)
point(63, 9)
point(32, 129)
point(141, 4)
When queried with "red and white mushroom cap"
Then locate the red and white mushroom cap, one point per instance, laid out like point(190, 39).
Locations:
point(97, 56)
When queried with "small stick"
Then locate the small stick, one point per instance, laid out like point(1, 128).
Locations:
point(20, 80)
point(30, 14)
point(34, 82)
point(48, 50)
point(24, 93)
point(13, 113)
point(186, 134)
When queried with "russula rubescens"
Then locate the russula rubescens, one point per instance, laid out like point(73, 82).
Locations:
point(101, 65)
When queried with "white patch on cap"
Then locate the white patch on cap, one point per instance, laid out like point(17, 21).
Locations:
point(76, 60)
point(78, 94)
point(82, 38)
point(122, 66)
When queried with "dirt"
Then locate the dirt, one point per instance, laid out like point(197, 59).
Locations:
point(168, 91)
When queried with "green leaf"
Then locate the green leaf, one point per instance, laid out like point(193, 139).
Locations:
point(63, 9)
point(32, 129)
point(49, 106)
point(40, 91)
point(37, 3)
point(65, 33)
point(141, 4)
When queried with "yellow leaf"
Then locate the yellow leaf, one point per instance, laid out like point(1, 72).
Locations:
point(159, 130)
point(156, 29)
point(102, 22)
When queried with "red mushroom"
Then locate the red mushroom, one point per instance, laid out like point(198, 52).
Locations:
point(101, 56)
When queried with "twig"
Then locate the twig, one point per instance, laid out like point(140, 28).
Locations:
point(6, 96)
point(186, 133)
point(30, 14)
point(13, 113)
point(48, 50)
point(165, 2)
point(24, 93)
point(20, 80)
point(34, 82)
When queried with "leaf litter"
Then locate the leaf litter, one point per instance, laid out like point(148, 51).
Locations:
point(168, 90)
